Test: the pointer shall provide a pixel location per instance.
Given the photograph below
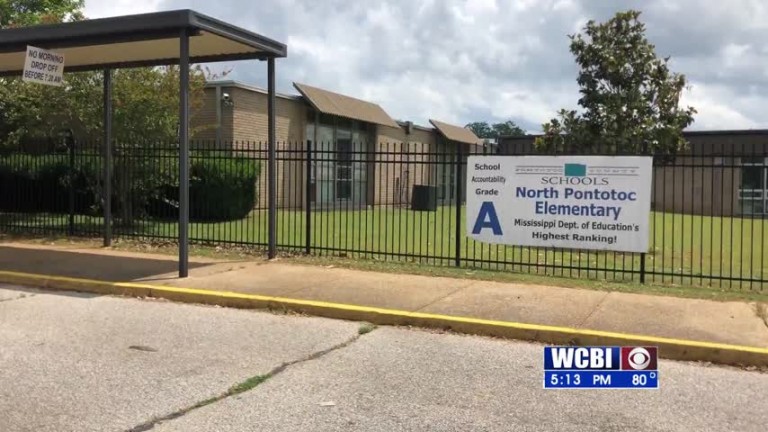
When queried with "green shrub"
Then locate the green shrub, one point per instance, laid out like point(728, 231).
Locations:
point(222, 186)
point(41, 183)
point(222, 189)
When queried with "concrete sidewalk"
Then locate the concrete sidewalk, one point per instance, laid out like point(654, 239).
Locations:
point(74, 362)
point(734, 323)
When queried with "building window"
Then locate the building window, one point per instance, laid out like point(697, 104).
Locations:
point(344, 177)
point(753, 188)
point(339, 162)
point(446, 172)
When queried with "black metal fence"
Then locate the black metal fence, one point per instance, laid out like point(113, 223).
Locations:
point(385, 201)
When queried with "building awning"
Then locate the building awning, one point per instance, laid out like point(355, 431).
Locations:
point(456, 133)
point(135, 40)
point(345, 106)
point(155, 39)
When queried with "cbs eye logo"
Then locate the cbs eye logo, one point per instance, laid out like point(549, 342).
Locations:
point(639, 358)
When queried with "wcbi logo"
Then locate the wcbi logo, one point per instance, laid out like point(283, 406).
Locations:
point(601, 358)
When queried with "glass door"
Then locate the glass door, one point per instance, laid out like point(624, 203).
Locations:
point(753, 190)
point(344, 168)
point(446, 176)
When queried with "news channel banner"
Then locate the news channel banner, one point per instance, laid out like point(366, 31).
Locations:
point(611, 367)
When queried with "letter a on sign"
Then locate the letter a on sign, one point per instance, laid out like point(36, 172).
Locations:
point(487, 218)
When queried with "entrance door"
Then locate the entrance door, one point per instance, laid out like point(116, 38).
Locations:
point(753, 190)
point(339, 162)
point(446, 177)
point(344, 169)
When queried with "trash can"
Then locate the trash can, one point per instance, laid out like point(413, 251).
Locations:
point(424, 198)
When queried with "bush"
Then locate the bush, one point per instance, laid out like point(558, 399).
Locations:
point(222, 186)
point(41, 183)
point(222, 189)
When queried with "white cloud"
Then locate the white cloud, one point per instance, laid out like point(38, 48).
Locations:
point(719, 108)
point(107, 8)
point(467, 60)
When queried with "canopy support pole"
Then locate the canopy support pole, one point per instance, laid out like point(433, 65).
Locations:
point(107, 170)
point(272, 168)
point(184, 154)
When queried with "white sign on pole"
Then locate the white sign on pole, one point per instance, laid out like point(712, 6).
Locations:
point(43, 67)
point(575, 202)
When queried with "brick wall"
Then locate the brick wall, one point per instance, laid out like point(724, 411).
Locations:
point(203, 120)
point(395, 174)
point(702, 186)
point(244, 127)
point(422, 142)
point(250, 128)
point(250, 117)
point(697, 187)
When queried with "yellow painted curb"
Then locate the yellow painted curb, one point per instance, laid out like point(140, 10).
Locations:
point(678, 349)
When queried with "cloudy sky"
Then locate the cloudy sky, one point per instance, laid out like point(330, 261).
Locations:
point(468, 60)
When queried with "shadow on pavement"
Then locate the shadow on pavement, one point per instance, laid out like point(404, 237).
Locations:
point(86, 265)
point(31, 292)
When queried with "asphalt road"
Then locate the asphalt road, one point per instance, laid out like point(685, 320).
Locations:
point(70, 362)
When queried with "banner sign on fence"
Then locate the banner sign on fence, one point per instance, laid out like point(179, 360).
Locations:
point(575, 202)
point(43, 67)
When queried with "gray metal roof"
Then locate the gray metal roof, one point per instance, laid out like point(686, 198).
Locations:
point(136, 40)
point(328, 102)
point(456, 133)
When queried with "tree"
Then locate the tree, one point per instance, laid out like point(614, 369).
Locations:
point(145, 124)
point(497, 130)
point(22, 13)
point(145, 104)
point(145, 100)
point(508, 128)
point(630, 99)
point(481, 129)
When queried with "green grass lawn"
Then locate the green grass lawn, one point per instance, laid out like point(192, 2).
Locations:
point(700, 248)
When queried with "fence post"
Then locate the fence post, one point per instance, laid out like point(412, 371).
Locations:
point(71, 147)
point(644, 145)
point(272, 160)
point(107, 159)
point(308, 200)
point(457, 194)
